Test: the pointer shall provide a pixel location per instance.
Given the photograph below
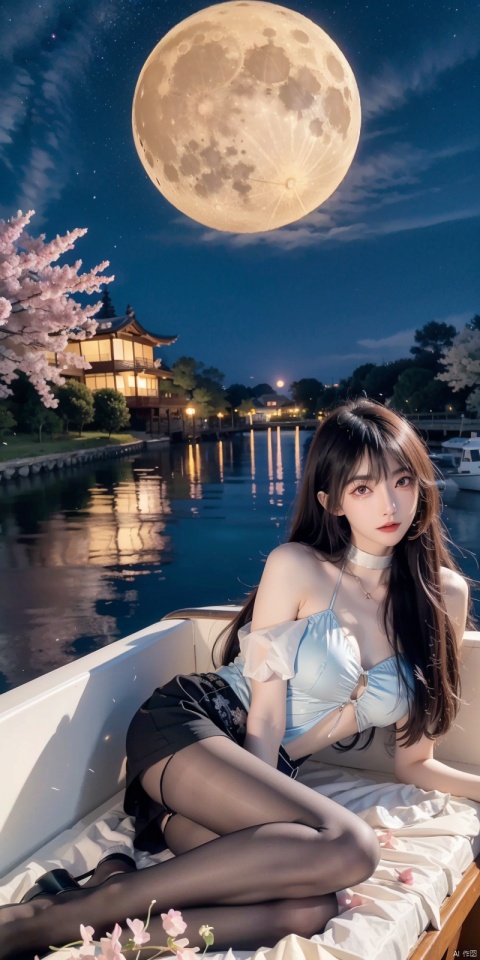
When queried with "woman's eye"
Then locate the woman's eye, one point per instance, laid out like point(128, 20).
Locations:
point(361, 490)
point(404, 481)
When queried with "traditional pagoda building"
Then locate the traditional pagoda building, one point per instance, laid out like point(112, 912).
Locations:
point(120, 355)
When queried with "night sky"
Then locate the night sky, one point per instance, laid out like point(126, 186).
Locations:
point(397, 245)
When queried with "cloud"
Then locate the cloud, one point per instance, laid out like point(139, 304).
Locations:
point(382, 180)
point(404, 338)
point(37, 112)
point(391, 88)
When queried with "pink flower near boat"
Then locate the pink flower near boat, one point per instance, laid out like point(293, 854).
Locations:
point(346, 900)
point(187, 953)
point(111, 946)
point(139, 934)
point(173, 923)
point(406, 876)
point(387, 840)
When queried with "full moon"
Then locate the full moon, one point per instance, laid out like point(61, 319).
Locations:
point(246, 116)
point(280, 383)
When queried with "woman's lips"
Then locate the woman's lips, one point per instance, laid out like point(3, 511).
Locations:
point(390, 527)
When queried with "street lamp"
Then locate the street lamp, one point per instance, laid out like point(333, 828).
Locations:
point(220, 418)
point(190, 411)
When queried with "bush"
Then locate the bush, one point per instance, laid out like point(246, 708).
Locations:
point(75, 405)
point(111, 411)
point(7, 420)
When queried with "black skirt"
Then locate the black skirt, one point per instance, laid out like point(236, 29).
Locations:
point(187, 709)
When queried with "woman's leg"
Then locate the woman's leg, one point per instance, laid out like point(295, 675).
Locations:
point(279, 840)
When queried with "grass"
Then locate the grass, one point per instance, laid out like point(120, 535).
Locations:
point(23, 445)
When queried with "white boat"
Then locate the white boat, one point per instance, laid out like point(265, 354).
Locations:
point(62, 759)
point(467, 476)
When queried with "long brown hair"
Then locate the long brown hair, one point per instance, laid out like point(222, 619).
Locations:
point(414, 613)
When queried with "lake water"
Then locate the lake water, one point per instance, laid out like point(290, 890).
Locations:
point(93, 554)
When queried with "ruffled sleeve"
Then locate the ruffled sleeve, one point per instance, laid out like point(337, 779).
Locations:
point(271, 651)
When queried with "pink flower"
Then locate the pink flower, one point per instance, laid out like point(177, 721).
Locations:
point(187, 953)
point(111, 946)
point(139, 933)
point(173, 924)
point(387, 840)
point(86, 950)
point(347, 900)
point(406, 876)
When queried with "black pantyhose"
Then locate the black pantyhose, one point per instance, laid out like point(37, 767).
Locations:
point(277, 840)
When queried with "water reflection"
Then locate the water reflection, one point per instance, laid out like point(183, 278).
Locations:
point(99, 552)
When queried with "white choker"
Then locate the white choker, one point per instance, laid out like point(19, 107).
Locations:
point(368, 560)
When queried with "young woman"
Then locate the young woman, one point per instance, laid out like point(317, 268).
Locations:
point(357, 623)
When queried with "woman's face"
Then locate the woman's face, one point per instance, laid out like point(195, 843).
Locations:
point(379, 513)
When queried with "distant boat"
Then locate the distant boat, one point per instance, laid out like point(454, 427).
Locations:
point(467, 476)
point(454, 447)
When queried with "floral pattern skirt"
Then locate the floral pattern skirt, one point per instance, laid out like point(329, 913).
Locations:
point(185, 710)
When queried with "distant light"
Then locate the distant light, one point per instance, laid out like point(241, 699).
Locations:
point(280, 383)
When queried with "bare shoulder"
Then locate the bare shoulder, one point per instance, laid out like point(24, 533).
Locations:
point(292, 553)
point(456, 594)
point(282, 586)
point(453, 584)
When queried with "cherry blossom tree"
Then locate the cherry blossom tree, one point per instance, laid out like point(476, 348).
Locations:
point(38, 314)
point(462, 365)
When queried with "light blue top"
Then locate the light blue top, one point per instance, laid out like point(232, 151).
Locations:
point(319, 662)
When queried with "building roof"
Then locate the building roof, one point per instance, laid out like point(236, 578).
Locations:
point(130, 324)
point(279, 399)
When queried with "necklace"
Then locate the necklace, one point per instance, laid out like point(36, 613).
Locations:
point(368, 560)
point(368, 596)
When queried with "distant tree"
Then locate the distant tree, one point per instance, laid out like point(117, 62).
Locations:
point(407, 394)
point(75, 405)
point(329, 398)
point(111, 411)
point(212, 374)
point(379, 383)
point(40, 417)
point(7, 420)
point(37, 313)
point(235, 393)
point(209, 399)
point(185, 372)
point(245, 407)
point(431, 342)
point(462, 365)
point(306, 393)
point(474, 323)
point(260, 389)
point(107, 310)
point(356, 382)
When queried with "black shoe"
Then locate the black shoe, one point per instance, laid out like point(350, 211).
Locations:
point(60, 881)
point(50, 884)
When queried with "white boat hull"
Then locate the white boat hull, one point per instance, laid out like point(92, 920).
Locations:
point(466, 481)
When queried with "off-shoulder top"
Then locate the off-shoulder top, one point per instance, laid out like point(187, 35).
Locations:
point(320, 664)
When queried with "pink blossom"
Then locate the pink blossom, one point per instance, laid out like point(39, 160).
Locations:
point(139, 933)
point(111, 946)
point(173, 923)
point(187, 953)
point(406, 876)
point(86, 934)
point(346, 900)
point(387, 840)
point(37, 311)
